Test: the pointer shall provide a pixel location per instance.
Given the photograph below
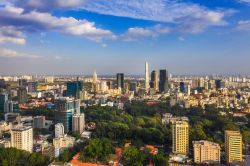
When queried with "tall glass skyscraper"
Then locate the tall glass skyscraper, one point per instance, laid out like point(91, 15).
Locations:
point(64, 109)
point(120, 80)
point(163, 83)
point(74, 88)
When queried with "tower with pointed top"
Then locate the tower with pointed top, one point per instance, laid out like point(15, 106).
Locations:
point(94, 82)
point(146, 77)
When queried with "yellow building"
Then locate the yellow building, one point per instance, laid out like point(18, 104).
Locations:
point(22, 138)
point(233, 146)
point(206, 152)
point(64, 142)
point(180, 137)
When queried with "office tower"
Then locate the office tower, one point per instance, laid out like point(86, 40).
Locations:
point(2, 83)
point(22, 138)
point(146, 77)
point(78, 123)
point(95, 83)
point(22, 83)
point(39, 122)
point(59, 130)
point(120, 80)
point(8, 106)
point(188, 89)
point(180, 137)
point(182, 87)
point(206, 152)
point(233, 146)
point(103, 86)
point(201, 82)
point(154, 83)
point(74, 88)
point(133, 86)
point(3, 100)
point(22, 95)
point(64, 109)
point(32, 87)
point(163, 83)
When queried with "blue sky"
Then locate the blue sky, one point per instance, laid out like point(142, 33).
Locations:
point(111, 36)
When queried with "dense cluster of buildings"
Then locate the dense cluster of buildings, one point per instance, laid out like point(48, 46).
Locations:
point(66, 94)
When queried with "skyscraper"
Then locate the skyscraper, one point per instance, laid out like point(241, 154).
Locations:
point(22, 138)
point(8, 106)
point(74, 88)
point(182, 87)
point(163, 83)
point(78, 123)
point(59, 130)
point(180, 137)
point(22, 95)
point(233, 146)
point(120, 80)
point(206, 152)
point(22, 83)
point(146, 77)
point(154, 83)
point(64, 110)
point(94, 82)
point(3, 100)
point(32, 87)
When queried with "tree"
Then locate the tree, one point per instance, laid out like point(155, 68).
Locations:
point(132, 157)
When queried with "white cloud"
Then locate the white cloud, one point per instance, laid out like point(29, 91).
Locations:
point(180, 38)
point(243, 25)
point(7, 53)
point(47, 5)
point(37, 21)
point(245, 1)
point(136, 33)
point(10, 34)
point(189, 17)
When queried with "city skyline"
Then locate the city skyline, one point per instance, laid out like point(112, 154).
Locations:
point(185, 37)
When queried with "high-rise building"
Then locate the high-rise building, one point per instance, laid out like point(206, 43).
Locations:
point(8, 106)
point(182, 87)
point(146, 77)
point(233, 146)
point(59, 130)
point(22, 83)
point(22, 95)
point(180, 137)
point(22, 138)
point(163, 83)
point(95, 82)
point(39, 122)
point(133, 86)
point(74, 88)
point(78, 123)
point(65, 107)
point(206, 152)
point(32, 87)
point(120, 80)
point(3, 100)
point(154, 83)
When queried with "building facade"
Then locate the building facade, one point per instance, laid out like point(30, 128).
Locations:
point(180, 137)
point(206, 152)
point(233, 146)
point(22, 138)
point(78, 123)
